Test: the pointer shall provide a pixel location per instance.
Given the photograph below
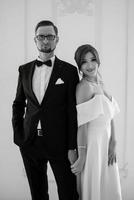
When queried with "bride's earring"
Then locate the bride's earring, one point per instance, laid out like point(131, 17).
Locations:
point(81, 74)
point(99, 78)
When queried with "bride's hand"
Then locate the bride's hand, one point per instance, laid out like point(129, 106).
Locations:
point(112, 152)
point(78, 166)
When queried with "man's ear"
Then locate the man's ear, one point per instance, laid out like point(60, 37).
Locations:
point(57, 39)
point(35, 40)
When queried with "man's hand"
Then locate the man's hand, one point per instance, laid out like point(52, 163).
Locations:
point(72, 156)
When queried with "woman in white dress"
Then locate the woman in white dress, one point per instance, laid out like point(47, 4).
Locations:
point(96, 166)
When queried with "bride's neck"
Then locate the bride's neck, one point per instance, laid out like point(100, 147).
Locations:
point(90, 79)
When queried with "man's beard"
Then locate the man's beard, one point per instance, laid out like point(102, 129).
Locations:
point(49, 50)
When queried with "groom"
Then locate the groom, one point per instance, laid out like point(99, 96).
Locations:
point(44, 117)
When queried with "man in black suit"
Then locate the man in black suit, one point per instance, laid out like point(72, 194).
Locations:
point(45, 119)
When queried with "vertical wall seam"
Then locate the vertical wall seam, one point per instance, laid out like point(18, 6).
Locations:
point(25, 30)
point(126, 87)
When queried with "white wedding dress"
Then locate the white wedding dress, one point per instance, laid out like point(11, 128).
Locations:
point(98, 180)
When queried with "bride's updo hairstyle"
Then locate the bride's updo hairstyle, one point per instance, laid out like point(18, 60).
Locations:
point(82, 51)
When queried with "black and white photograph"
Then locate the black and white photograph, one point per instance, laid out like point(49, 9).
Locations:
point(67, 96)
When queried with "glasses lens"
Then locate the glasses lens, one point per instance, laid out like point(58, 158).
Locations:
point(40, 37)
point(48, 37)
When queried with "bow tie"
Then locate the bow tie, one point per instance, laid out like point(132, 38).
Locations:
point(48, 63)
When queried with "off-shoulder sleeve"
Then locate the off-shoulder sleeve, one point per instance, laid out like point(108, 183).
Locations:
point(89, 110)
point(115, 106)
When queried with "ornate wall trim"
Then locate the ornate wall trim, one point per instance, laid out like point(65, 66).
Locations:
point(66, 7)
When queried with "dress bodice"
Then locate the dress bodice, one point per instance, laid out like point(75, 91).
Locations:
point(100, 108)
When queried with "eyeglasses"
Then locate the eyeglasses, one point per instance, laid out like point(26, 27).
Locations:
point(48, 37)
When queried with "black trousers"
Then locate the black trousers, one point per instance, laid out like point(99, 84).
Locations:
point(36, 169)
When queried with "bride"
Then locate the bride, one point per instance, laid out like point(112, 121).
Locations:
point(96, 166)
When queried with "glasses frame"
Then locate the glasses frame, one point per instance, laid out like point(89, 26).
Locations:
point(43, 37)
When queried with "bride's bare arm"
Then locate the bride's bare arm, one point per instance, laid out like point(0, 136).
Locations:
point(83, 94)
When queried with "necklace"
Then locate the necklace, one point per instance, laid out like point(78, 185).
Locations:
point(93, 81)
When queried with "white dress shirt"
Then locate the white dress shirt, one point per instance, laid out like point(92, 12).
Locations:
point(40, 81)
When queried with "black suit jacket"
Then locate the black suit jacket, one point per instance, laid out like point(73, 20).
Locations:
point(57, 112)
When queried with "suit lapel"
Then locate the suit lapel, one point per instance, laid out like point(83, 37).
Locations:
point(54, 75)
point(32, 68)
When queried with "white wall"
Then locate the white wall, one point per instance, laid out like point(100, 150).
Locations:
point(104, 23)
point(129, 138)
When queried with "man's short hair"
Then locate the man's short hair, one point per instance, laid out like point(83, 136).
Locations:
point(46, 23)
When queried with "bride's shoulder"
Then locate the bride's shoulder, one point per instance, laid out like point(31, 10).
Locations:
point(84, 91)
point(85, 84)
